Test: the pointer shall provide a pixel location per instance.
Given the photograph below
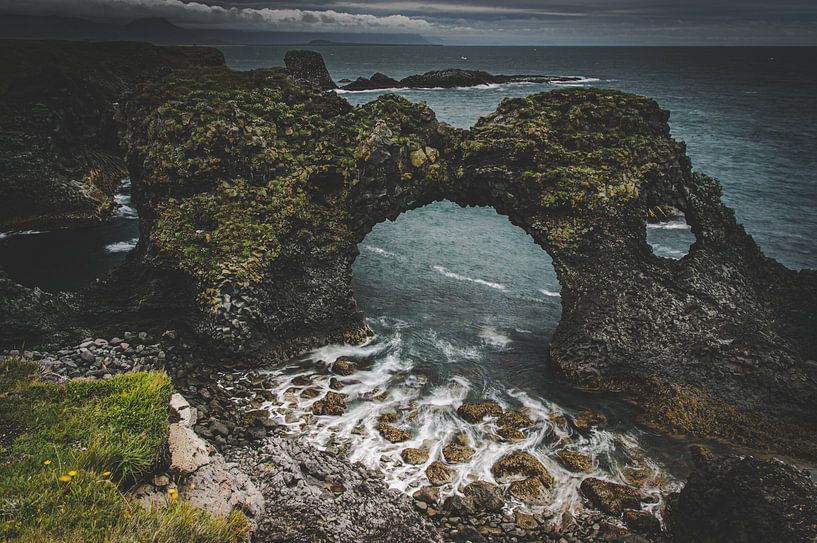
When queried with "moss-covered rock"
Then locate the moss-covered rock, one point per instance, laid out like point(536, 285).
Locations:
point(521, 463)
point(475, 412)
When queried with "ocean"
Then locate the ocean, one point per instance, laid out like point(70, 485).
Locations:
point(463, 303)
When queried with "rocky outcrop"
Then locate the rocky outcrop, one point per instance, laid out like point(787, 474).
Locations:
point(744, 499)
point(308, 67)
point(60, 158)
point(446, 79)
point(199, 474)
point(254, 192)
point(316, 496)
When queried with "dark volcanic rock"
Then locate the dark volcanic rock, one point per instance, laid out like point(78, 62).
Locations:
point(377, 81)
point(450, 78)
point(308, 66)
point(745, 499)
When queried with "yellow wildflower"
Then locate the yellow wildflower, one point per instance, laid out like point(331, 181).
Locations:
point(72, 473)
point(46, 462)
point(174, 495)
point(65, 479)
point(106, 473)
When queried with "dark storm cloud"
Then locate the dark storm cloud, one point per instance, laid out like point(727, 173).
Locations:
point(482, 21)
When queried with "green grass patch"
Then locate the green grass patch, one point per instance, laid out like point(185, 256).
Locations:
point(67, 452)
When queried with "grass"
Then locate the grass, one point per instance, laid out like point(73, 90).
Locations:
point(68, 452)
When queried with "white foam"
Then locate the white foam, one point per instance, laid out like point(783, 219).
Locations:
point(121, 246)
point(429, 414)
point(675, 224)
point(663, 250)
point(458, 277)
point(550, 293)
point(21, 233)
point(490, 336)
point(379, 251)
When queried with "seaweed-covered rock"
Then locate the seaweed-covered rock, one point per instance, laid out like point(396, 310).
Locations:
point(514, 419)
point(474, 412)
point(344, 366)
point(745, 499)
point(575, 460)
point(457, 454)
point(485, 496)
point(414, 456)
point(610, 497)
point(333, 403)
point(392, 433)
point(439, 474)
point(530, 490)
point(520, 463)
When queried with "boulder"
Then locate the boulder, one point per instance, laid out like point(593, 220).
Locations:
point(309, 67)
point(610, 497)
point(414, 456)
point(575, 461)
point(485, 496)
point(508, 433)
point(520, 463)
point(392, 433)
point(742, 500)
point(525, 521)
point(474, 412)
point(530, 490)
point(428, 494)
point(188, 452)
point(514, 419)
point(181, 412)
point(344, 366)
point(457, 454)
point(587, 420)
point(439, 474)
point(333, 403)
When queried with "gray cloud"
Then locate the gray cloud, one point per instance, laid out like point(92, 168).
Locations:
point(482, 21)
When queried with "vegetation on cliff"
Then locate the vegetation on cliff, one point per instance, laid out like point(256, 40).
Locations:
point(68, 451)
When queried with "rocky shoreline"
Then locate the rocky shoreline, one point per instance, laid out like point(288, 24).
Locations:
point(254, 190)
point(293, 491)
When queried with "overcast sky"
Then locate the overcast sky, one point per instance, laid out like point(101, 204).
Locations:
point(509, 22)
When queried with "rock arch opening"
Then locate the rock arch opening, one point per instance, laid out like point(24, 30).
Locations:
point(669, 235)
point(464, 287)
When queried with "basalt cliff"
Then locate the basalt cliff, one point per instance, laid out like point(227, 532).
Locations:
point(254, 190)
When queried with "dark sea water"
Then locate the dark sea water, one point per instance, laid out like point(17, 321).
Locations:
point(463, 303)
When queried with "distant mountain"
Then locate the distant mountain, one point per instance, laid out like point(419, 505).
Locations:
point(163, 32)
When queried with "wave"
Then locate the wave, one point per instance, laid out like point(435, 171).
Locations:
point(492, 337)
point(121, 246)
point(429, 413)
point(576, 82)
point(663, 250)
point(550, 293)
point(379, 251)
point(671, 225)
point(14, 233)
point(458, 277)
point(484, 86)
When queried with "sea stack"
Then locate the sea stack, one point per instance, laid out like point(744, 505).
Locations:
point(308, 66)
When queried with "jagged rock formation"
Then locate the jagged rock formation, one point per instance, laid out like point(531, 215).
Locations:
point(447, 79)
point(60, 159)
point(744, 499)
point(308, 67)
point(254, 192)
